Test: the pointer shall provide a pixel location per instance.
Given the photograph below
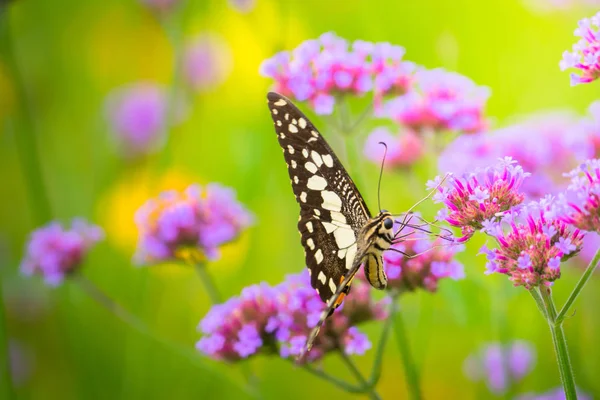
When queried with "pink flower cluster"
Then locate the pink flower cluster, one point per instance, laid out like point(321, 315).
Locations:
point(319, 70)
point(532, 242)
point(402, 151)
point(480, 196)
point(585, 56)
point(279, 319)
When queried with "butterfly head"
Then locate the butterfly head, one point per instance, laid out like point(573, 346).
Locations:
point(385, 229)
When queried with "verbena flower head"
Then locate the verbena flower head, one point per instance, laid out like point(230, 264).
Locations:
point(585, 56)
point(193, 223)
point(500, 365)
point(480, 197)
point(545, 145)
point(440, 101)
point(402, 151)
point(55, 252)
point(279, 319)
point(137, 117)
point(532, 242)
point(580, 204)
point(319, 70)
point(435, 261)
point(207, 61)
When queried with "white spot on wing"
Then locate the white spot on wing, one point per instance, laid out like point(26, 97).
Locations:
point(329, 227)
point(275, 111)
point(303, 197)
point(278, 123)
point(309, 227)
point(342, 253)
point(282, 135)
point(305, 153)
point(316, 158)
point(290, 149)
point(296, 180)
point(310, 243)
point(338, 217)
point(280, 102)
point(319, 256)
point(328, 160)
point(332, 286)
point(316, 182)
point(293, 128)
point(331, 201)
point(315, 134)
point(294, 164)
point(302, 123)
point(317, 212)
point(312, 168)
point(350, 256)
point(322, 278)
point(344, 237)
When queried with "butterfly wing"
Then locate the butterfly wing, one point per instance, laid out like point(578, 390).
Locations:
point(332, 211)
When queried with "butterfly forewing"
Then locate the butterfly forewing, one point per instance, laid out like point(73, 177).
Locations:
point(332, 211)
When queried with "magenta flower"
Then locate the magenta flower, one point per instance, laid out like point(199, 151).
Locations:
point(586, 52)
point(319, 70)
point(402, 151)
point(278, 320)
point(500, 366)
point(436, 261)
point(55, 252)
point(545, 144)
point(532, 242)
point(207, 62)
point(137, 116)
point(193, 223)
point(441, 100)
point(580, 204)
point(480, 197)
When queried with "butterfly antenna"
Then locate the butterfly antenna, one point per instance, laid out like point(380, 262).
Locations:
point(381, 175)
point(409, 212)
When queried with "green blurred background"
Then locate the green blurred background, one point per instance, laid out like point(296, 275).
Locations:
point(72, 54)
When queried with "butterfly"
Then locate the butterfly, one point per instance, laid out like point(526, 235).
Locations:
point(337, 230)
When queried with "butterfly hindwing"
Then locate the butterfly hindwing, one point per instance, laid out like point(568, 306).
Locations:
point(332, 211)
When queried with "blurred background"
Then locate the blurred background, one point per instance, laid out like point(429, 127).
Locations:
point(63, 70)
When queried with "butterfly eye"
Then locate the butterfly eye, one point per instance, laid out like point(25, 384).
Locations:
point(388, 223)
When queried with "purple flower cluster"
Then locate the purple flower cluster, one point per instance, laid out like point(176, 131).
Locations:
point(532, 242)
point(480, 197)
point(55, 252)
point(427, 261)
point(499, 365)
point(402, 151)
point(196, 220)
point(554, 394)
point(137, 115)
point(586, 52)
point(319, 70)
point(279, 319)
point(440, 100)
point(207, 62)
point(580, 204)
point(546, 145)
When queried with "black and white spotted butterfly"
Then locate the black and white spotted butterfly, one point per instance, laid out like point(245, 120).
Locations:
point(338, 232)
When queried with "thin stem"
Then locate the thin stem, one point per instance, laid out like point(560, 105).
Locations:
point(209, 284)
point(410, 369)
point(385, 334)
point(22, 123)
point(370, 390)
point(5, 367)
point(363, 115)
point(535, 293)
point(109, 304)
point(575, 293)
point(332, 379)
point(560, 346)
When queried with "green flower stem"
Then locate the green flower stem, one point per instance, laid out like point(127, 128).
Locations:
point(385, 334)
point(113, 307)
point(209, 284)
point(410, 369)
point(333, 380)
point(22, 123)
point(359, 377)
point(560, 346)
point(535, 293)
point(575, 293)
point(5, 373)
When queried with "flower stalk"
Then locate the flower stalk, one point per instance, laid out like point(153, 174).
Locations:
point(410, 369)
point(5, 364)
point(208, 282)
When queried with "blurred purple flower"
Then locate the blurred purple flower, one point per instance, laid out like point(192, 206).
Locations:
point(536, 234)
point(278, 320)
point(480, 196)
point(500, 366)
point(554, 394)
point(580, 204)
point(161, 6)
point(207, 61)
point(402, 151)
point(546, 145)
point(55, 252)
point(434, 262)
point(137, 115)
point(197, 221)
point(586, 52)
point(441, 100)
point(318, 70)
point(242, 6)
point(590, 126)
point(21, 362)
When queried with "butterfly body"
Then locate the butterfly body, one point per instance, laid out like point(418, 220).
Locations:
point(336, 228)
